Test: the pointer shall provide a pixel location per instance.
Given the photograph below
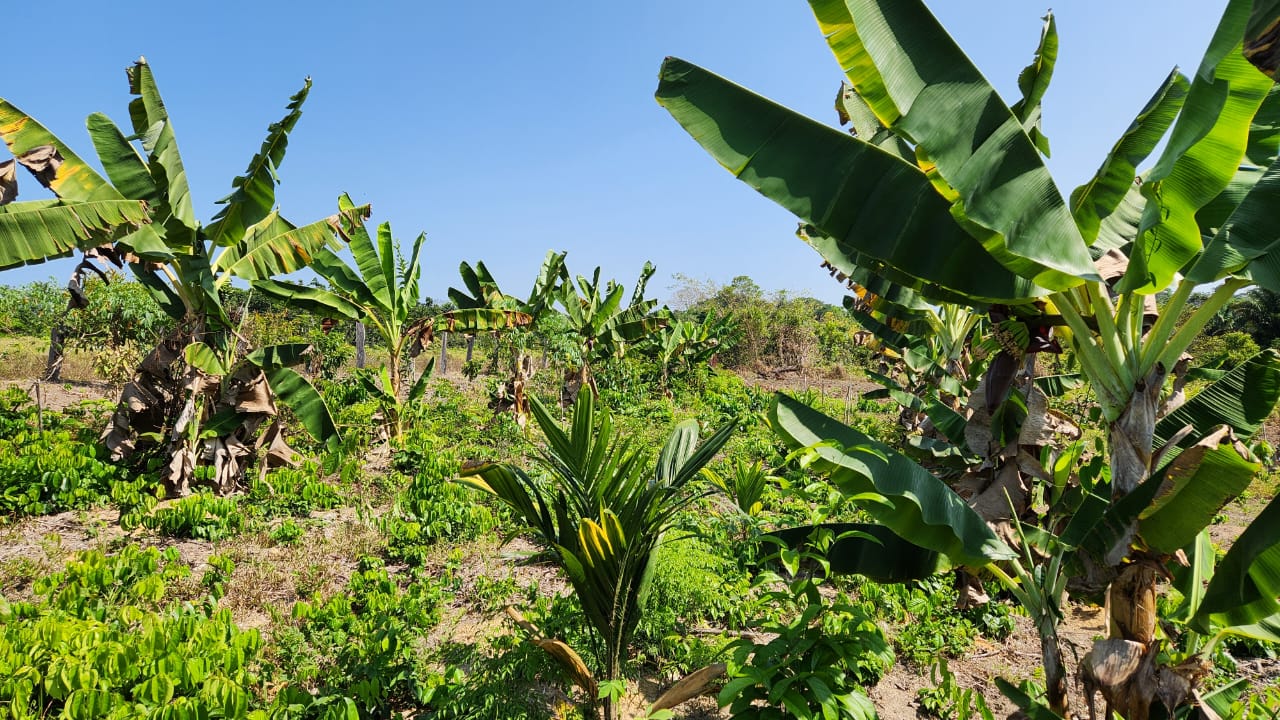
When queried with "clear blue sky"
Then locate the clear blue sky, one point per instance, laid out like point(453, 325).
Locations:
point(505, 129)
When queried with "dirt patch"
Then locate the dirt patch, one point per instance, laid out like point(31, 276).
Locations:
point(62, 395)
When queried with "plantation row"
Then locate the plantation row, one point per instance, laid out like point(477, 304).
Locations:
point(1036, 441)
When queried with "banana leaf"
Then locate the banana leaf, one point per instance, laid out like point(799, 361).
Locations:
point(282, 355)
point(923, 507)
point(1242, 399)
point(205, 359)
point(1097, 199)
point(301, 397)
point(919, 82)
point(872, 551)
point(72, 179)
point(311, 299)
point(254, 195)
point(151, 123)
point(871, 202)
point(274, 247)
point(363, 251)
point(1196, 486)
point(1246, 584)
point(1260, 36)
point(1033, 82)
point(40, 230)
point(1200, 159)
point(122, 163)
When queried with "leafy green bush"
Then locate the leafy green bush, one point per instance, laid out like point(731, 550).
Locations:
point(294, 492)
point(1223, 351)
point(431, 508)
point(202, 516)
point(821, 657)
point(52, 471)
point(99, 639)
point(362, 643)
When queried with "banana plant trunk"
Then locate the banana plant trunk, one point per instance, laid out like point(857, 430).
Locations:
point(1123, 668)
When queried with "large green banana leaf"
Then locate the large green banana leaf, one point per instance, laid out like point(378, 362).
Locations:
point(151, 123)
point(122, 163)
point(275, 247)
point(1242, 399)
point(1246, 243)
point(40, 230)
point(1097, 199)
point(919, 83)
point(922, 507)
point(367, 257)
point(1245, 588)
point(311, 299)
point(344, 279)
point(301, 397)
point(254, 195)
point(866, 270)
point(870, 201)
point(1200, 159)
point(872, 551)
point(1197, 485)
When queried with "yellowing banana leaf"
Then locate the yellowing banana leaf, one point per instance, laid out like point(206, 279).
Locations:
point(38, 230)
point(920, 84)
point(54, 164)
point(923, 508)
point(871, 202)
point(1099, 198)
point(255, 191)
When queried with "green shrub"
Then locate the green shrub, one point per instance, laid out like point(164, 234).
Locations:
point(100, 637)
point(431, 509)
point(822, 655)
point(295, 492)
point(51, 471)
point(362, 643)
point(202, 516)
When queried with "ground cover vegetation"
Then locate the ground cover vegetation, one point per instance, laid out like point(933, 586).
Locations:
point(233, 502)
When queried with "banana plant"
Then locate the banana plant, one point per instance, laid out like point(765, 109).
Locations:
point(602, 327)
point(956, 203)
point(684, 344)
point(199, 395)
point(486, 297)
point(605, 512)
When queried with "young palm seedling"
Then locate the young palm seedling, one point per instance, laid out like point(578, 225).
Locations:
point(604, 505)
